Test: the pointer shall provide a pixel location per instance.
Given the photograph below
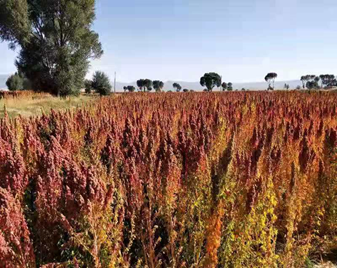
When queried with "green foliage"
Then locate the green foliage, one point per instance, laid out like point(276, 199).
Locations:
point(312, 85)
point(308, 78)
point(101, 83)
point(14, 22)
point(270, 78)
point(177, 87)
point(14, 82)
point(55, 39)
point(140, 84)
point(210, 80)
point(229, 86)
point(327, 80)
point(144, 84)
point(224, 86)
point(148, 84)
point(88, 86)
point(158, 85)
point(129, 88)
point(17, 81)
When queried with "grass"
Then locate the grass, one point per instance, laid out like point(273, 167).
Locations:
point(37, 105)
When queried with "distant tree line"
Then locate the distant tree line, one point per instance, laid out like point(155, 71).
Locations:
point(317, 82)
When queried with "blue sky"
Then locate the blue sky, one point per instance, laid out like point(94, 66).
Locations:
point(240, 39)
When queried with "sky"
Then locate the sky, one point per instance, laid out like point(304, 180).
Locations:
point(242, 40)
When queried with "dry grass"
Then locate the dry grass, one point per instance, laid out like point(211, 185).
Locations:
point(325, 265)
point(38, 104)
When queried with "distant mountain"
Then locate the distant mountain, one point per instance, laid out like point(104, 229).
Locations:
point(196, 85)
point(3, 79)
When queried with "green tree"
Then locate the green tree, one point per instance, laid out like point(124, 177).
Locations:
point(177, 87)
point(185, 90)
point(312, 85)
point(224, 86)
point(101, 83)
point(229, 86)
point(304, 80)
point(144, 84)
point(270, 78)
point(148, 84)
point(55, 38)
point(210, 80)
point(129, 88)
point(88, 86)
point(158, 85)
point(14, 82)
point(140, 84)
point(327, 80)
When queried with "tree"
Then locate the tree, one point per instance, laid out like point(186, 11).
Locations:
point(223, 86)
point(304, 80)
point(101, 83)
point(286, 86)
point(144, 84)
point(185, 90)
point(270, 78)
point(298, 87)
point(210, 80)
point(148, 84)
point(18, 81)
point(177, 87)
point(312, 85)
point(229, 86)
point(14, 82)
point(55, 38)
point(307, 78)
point(158, 85)
point(328, 80)
point(140, 84)
point(129, 88)
point(88, 86)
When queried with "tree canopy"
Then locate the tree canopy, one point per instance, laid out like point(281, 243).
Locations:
point(230, 86)
point(14, 82)
point(177, 87)
point(144, 84)
point(18, 81)
point(327, 80)
point(129, 88)
point(55, 38)
point(224, 86)
point(210, 80)
point(270, 78)
point(101, 83)
point(158, 85)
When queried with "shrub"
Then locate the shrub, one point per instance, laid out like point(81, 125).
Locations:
point(88, 86)
point(15, 82)
point(101, 83)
